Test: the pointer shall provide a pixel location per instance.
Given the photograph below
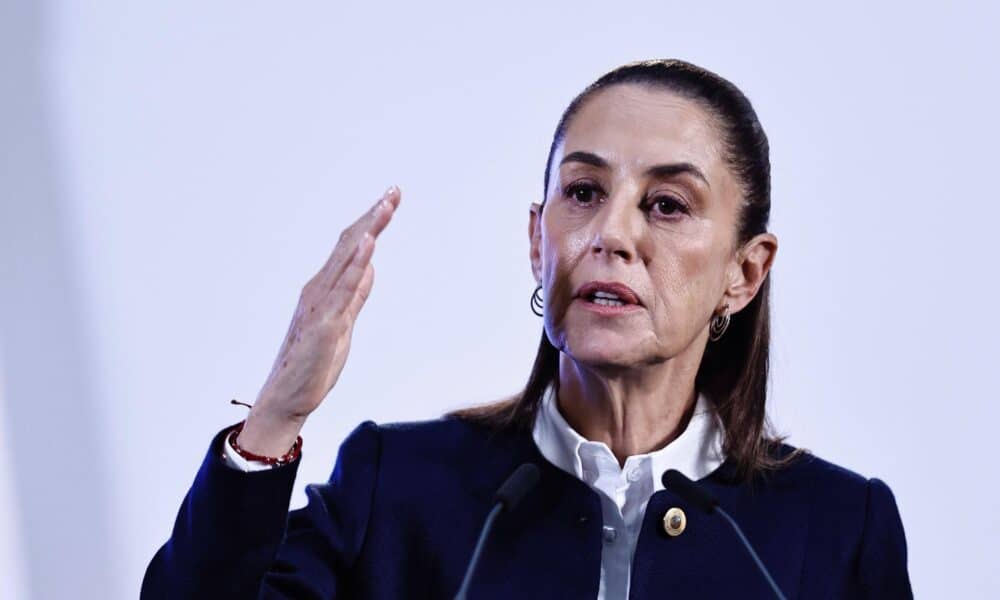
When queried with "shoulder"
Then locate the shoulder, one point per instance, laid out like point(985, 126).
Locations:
point(399, 457)
point(840, 494)
point(854, 513)
point(430, 436)
point(442, 443)
point(461, 462)
point(811, 470)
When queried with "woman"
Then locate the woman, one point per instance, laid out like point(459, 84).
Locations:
point(651, 253)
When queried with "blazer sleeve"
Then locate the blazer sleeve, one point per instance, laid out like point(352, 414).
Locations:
point(882, 562)
point(234, 537)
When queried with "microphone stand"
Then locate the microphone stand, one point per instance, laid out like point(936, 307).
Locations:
point(690, 491)
point(510, 493)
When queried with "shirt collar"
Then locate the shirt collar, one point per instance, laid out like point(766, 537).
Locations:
point(696, 452)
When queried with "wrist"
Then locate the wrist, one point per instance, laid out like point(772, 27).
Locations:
point(266, 434)
point(249, 461)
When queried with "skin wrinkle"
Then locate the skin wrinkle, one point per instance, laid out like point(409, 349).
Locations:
point(628, 381)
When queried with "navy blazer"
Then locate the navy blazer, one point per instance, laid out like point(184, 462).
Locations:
point(401, 512)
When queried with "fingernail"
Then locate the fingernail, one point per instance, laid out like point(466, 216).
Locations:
point(389, 191)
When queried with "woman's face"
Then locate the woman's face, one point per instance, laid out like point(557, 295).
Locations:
point(640, 195)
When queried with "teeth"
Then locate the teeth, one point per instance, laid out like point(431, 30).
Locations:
point(608, 295)
point(607, 302)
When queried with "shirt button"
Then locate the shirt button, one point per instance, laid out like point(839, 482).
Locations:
point(634, 474)
point(610, 533)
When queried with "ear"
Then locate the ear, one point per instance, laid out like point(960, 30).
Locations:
point(535, 236)
point(749, 270)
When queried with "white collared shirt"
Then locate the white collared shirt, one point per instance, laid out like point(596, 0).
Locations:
point(624, 492)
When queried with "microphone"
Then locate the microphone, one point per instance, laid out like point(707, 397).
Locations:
point(690, 491)
point(513, 490)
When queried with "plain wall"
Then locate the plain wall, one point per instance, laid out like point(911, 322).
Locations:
point(173, 173)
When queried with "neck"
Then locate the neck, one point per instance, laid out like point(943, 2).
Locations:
point(633, 411)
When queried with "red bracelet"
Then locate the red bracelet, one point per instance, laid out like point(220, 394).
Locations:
point(269, 460)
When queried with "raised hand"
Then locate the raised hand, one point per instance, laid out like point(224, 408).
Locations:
point(318, 340)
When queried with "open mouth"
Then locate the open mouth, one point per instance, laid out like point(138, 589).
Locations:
point(608, 294)
point(606, 299)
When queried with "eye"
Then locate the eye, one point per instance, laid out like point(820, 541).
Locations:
point(667, 206)
point(583, 192)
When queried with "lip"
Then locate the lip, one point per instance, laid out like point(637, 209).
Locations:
point(614, 287)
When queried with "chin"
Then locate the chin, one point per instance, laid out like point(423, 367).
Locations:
point(604, 351)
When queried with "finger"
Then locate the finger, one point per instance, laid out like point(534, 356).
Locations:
point(377, 217)
point(354, 269)
point(362, 293)
point(373, 221)
point(382, 213)
point(342, 292)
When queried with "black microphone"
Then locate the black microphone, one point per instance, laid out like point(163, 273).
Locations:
point(690, 491)
point(507, 497)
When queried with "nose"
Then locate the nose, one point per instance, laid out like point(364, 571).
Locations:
point(615, 228)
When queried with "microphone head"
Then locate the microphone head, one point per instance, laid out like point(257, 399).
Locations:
point(678, 482)
point(517, 485)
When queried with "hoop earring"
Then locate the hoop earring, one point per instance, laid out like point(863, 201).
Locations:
point(719, 325)
point(536, 302)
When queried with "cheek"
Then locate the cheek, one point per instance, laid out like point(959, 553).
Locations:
point(686, 278)
point(562, 249)
point(563, 246)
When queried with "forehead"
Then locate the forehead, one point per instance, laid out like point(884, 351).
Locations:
point(634, 126)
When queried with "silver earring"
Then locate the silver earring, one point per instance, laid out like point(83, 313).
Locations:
point(719, 324)
point(536, 302)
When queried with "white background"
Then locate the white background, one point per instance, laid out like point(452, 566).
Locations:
point(172, 173)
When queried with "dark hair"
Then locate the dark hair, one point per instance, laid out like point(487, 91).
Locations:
point(734, 369)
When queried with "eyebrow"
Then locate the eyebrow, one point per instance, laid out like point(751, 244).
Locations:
point(659, 171)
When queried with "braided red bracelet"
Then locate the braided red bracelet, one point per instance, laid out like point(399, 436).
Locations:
point(269, 460)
